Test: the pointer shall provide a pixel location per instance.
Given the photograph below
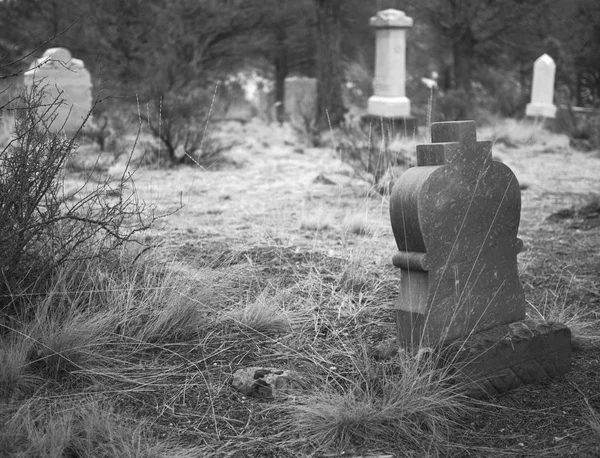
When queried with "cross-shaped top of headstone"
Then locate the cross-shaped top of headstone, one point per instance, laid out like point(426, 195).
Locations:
point(454, 143)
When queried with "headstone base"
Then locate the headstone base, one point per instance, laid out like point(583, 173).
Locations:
point(543, 110)
point(511, 355)
point(389, 127)
point(393, 107)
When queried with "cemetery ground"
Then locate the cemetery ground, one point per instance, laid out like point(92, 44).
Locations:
point(280, 256)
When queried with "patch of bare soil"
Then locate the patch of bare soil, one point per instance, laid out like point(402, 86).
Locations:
point(299, 202)
point(585, 217)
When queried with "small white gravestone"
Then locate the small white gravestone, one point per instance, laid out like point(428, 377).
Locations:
point(67, 84)
point(542, 90)
point(300, 102)
point(389, 99)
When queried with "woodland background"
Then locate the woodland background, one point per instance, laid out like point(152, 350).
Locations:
point(172, 53)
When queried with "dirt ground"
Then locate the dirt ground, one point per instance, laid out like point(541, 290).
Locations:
point(272, 193)
point(273, 190)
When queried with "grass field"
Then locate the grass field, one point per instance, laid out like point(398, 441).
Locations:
point(132, 355)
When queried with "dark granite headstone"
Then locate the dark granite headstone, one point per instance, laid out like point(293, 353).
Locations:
point(455, 219)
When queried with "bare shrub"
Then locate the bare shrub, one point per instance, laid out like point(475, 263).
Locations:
point(373, 150)
point(179, 121)
point(39, 228)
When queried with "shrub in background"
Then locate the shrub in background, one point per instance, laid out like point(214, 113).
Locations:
point(39, 228)
point(582, 128)
point(449, 105)
point(372, 153)
point(501, 93)
point(359, 85)
point(179, 122)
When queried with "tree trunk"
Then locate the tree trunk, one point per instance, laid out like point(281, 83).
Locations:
point(281, 71)
point(463, 51)
point(330, 75)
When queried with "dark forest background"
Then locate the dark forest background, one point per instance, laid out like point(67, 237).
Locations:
point(175, 51)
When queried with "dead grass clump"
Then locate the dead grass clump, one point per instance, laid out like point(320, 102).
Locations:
point(558, 305)
point(85, 430)
point(593, 419)
point(262, 315)
point(357, 224)
point(16, 379)
point(356, 278)
point(160, 303)
point(316, 220)
point(60, 349)
point(405, 405)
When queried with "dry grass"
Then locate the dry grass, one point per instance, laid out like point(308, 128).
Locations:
point(558, 306)
point(405, 406)
point(594, 421)
point(262, 315)
point(83, 429)
point(15, 378)
point(134, 358)
point(316, 219)
point(357, 223)
point(525, 133)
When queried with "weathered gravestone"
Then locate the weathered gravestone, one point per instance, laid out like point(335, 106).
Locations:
point(542, 89)
point(389, 105)
point(455, 218)
point(66, 89)
point(300, 102)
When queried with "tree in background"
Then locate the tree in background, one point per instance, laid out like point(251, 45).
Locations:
point(475, 31)
point(330, 75)
point(286, 44)
point(581, 48)
point(169, 52)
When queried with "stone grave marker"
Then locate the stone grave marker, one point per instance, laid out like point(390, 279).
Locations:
point(455, 219)
point(542, 89)
point(64, 81)
point(300, 103)
point(389, 103)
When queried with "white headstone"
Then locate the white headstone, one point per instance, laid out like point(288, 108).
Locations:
point(64, 82)
point(300, 102)
point(542, 89)
point(389, 99)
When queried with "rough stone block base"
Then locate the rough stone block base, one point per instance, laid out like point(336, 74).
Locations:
point(508, 356)
point(390, 126)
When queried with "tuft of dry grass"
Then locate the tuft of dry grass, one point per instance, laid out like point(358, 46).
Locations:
point(85, 429)
point(558, 306)
point(357, 224)
point(404, 405)
point(16, 380)
point(593, 419)
point(318, 219)
point(262, 316)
